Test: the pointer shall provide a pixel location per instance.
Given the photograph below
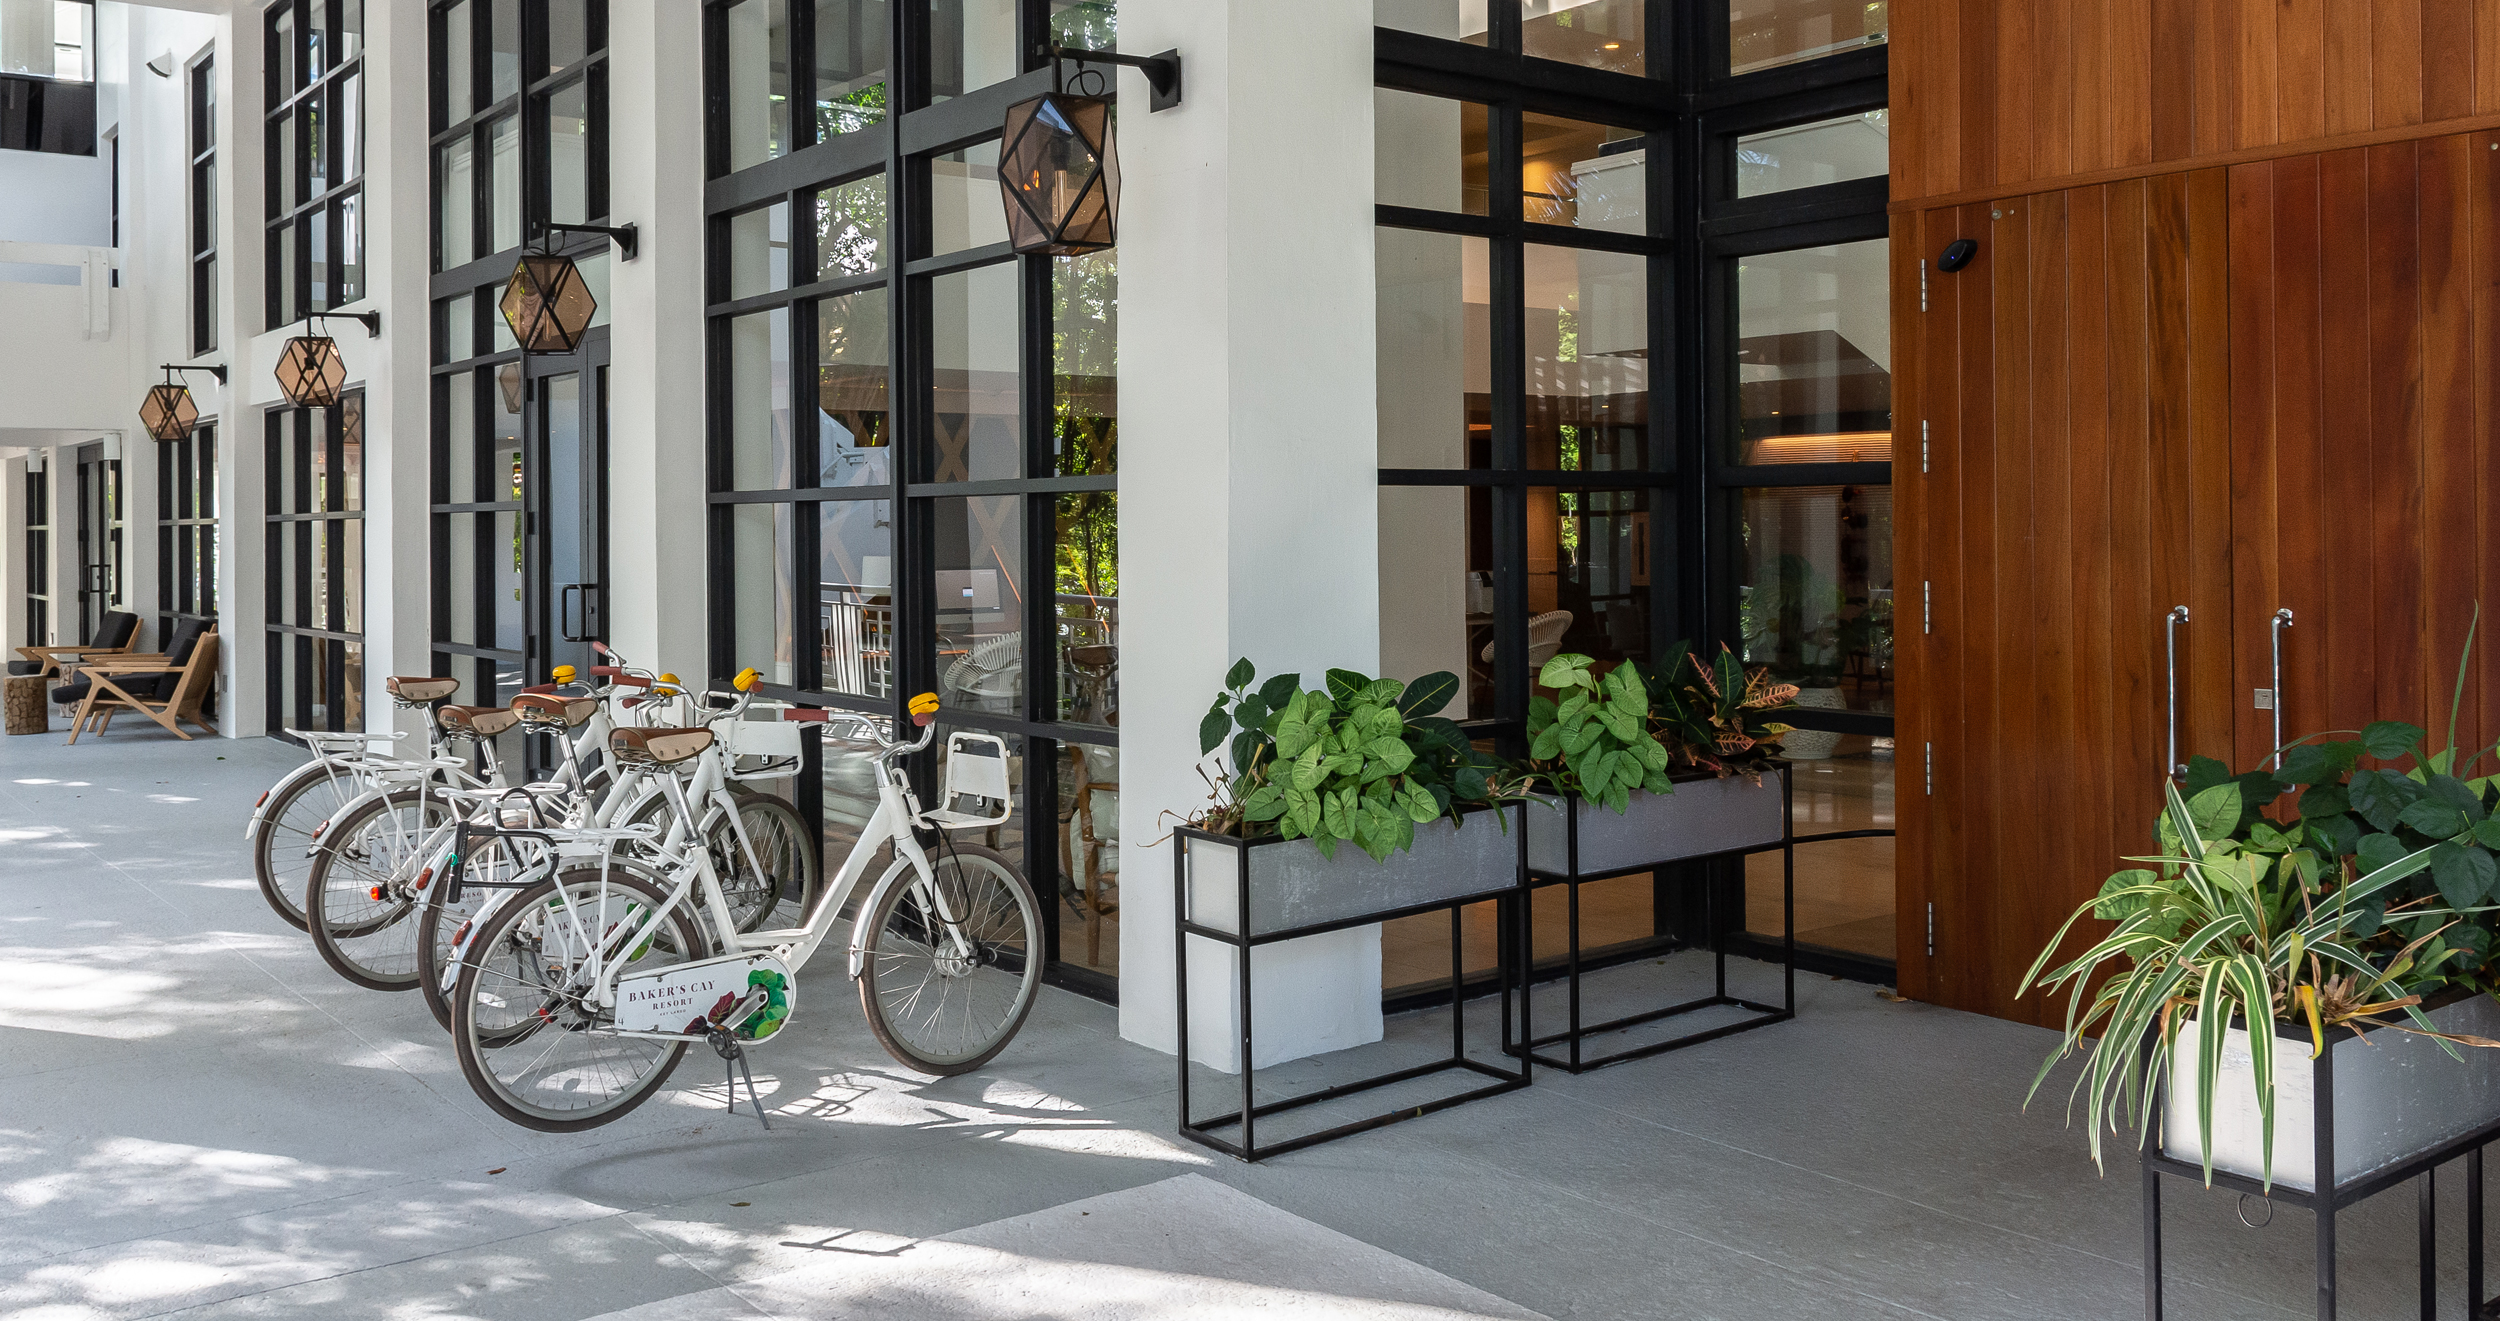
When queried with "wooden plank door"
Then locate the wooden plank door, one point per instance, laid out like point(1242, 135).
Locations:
point(2073, 386)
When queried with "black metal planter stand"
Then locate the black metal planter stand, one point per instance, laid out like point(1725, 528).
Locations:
point(2334, 1197)
point(1510, 900)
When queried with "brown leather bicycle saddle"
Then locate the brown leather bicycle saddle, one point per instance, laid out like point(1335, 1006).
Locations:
point(419, 692)
point(476, 721)
point(662, 746)
point(549, 709)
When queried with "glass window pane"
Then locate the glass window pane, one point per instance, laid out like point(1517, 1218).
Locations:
point(503, 140)
point(1816, 602)
point(1089, 857)
point(1431, 152)
point(351, 128)
point(973, 332)
point(351, 248)
point(505, 475)
point(459, 76)
point(850, 228)
point(462, 534)
point(462, 459)
point(1593, 176)
point(459, 328)
point(594, 273)
point(1085, 24)
point(1436, 589)
point(850, 778)
point(854, 421)
point(281, 164)
point(316, 241)
point(499, 334)
point(1765, 34)
point(284, 287)
point(351, 535)
point(1588, 360)
point(851, 46)
point(1087, 541)
point(972, 44)
point(568, 154)
point(351, 31)
point(1807, 155)
point(568, 33)
point(855, 596)
point(1845, 900)
point(964, 206)
point(759, 394)
point(759, 251)
point(1435, 371)
point(285, 58)
point(1461, 20)
point(314, 118)
point(1601, 34)
point(1588, 575)
point(455, 203)
point(979, 601)
point(1085, 351)
point(759, 81)
point(1814, 355)
point(506, 54)
point(761, 569)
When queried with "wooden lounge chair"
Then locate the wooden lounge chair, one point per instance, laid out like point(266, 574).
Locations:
point(166, 689)
point(112, 637)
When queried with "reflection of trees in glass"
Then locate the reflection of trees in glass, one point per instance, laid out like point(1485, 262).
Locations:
point(1087, 24)
point(1085, 293)
point(850, 227)
point(850, 112)
point(1089, 545)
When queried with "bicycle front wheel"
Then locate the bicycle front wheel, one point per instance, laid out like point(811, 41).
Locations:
point(788, 866)
point(282, 847)
point(362, 891)
point(954, 961)
point(534, 1045)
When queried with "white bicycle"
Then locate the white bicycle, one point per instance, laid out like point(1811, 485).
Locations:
point(578, 991)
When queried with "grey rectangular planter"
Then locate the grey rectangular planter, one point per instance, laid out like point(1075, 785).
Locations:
point(1292, 886)
point(1574, 837)
point(2396, 1096)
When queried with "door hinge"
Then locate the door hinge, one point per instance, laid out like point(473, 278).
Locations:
point(1931, 928)
point(1922, 444)
point(1922, 284)
point(1931, 768)
point(1926, 607)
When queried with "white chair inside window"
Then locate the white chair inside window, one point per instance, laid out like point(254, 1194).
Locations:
point(988, 677)
point(1545, 635)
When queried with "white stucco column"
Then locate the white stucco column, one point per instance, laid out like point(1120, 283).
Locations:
point(395, 367)
point(242, 434)
point(655, 393)
point(1248, 457)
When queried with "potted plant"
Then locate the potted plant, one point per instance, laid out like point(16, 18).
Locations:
point(2367, 908)
point(1367, 762)
point(1653, 769)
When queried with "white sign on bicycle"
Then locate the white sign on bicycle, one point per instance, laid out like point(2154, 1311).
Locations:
point(688, 997)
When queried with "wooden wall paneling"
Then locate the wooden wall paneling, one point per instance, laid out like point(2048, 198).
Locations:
point(2483, 281)
point(2309, 493)
point(2137, 600)
point(2447, 533)
point(2256, 70)
point(2128, 96)
point(1964, 770)
point(2011, 802)
point(2051, 774)
point(2206, 686)
point(2214, 65)
point(1913, 668)
point(2395, 62)
point(2395, 436)
point(2254, 550)
point(2087, 94)
point(2173, 113)
point(2300, 70)
point(1973, 155)
point(2348, 92)
point(2052, 87)
point(2091, 798)
point(2486, 56)
point(2447, 30)
point(2017, 69)
point(2344, 411)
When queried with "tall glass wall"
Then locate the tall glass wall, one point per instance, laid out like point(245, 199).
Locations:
point(314, 156)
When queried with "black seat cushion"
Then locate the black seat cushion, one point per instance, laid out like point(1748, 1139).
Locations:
point(148, 686)
point(17, 668)
point(116, 629)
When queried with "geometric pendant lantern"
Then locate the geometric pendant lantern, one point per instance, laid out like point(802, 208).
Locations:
point(1059, 173)
point(310, 371)
point(546, 304)
point(167, 412)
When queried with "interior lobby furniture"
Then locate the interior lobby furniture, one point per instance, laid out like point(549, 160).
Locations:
point(167, 689)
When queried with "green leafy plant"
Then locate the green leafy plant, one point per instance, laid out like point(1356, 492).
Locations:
point(1363, 761)
point(1795, 620)
point(1595, 741)
point(1709, 717)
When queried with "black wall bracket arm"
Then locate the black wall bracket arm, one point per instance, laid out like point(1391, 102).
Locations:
point(216, 371)
point(1163, 72)
point(371, 321)
point(628, 239)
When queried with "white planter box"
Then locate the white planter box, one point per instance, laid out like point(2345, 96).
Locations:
point(1700, 818)
point(1292, 886)
point(2397, 1095)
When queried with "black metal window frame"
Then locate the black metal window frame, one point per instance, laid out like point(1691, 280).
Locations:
point(482, 277)
point(306, 599)
point(186, 527)
point(1694, 111)
point(917, 128)
point(38, 557)
point(302, 117)
point(201, 95)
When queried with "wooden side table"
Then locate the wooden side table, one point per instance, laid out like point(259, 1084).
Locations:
point(23, 703)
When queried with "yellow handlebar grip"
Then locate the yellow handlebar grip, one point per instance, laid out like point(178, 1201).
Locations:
point(747, 679)
point(924, 704)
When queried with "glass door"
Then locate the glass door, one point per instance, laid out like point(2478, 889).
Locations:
point(564, 493)
point(99, 537)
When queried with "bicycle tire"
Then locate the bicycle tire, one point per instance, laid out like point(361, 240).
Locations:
point(897, 926)
point(509, 930)
point(793, 870)
point(440, 925)
point(300, 792)
point(344, 917)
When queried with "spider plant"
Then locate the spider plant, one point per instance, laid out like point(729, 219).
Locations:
point(2222, 927)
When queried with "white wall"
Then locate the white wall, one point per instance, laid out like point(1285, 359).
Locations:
point(1249, 455)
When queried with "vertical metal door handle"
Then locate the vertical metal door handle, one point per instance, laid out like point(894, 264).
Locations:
point(2170, 636)
point(564, 612)
point(2282, 620)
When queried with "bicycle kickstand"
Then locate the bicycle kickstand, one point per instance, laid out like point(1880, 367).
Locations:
point(734, 1062)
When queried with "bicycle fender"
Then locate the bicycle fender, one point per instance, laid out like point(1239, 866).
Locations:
point(896, 872)
point(475, 923)
point(251, 828)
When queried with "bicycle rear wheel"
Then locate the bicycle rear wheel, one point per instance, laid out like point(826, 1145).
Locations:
point(530, 1045)
point(362, 895)
point(954, 962)
point(441, 922)
point(789, 872)
point(282, 846)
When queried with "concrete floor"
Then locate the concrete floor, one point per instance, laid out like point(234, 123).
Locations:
point(197, 1118)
